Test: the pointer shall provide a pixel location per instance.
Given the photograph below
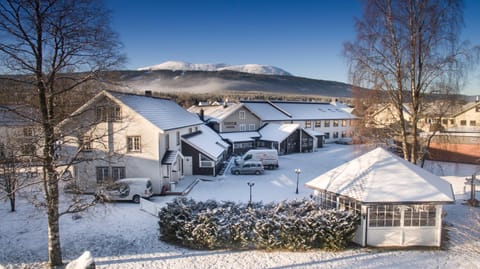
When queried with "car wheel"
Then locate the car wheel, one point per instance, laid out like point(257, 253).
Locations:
point(257, 172)
point(136, 199)
point(236, 172)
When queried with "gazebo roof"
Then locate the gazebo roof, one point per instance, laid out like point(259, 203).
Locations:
point(381, 177)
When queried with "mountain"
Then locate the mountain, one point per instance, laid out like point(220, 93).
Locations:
point(247, 68)
point(226, 82)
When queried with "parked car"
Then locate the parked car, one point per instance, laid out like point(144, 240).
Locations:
point(268, 157)
point(127, 189)
point(249, 167)
point(344, 141)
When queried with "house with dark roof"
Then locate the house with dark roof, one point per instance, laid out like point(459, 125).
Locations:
point(119, 135)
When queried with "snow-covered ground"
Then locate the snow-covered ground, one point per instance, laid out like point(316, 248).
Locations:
point(120, 235)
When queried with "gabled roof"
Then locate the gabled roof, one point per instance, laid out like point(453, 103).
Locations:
point(466, 108)
point(216, 112)
point(277, 132)
point(240, 136)
point(381, 177)
point(170, 157)
point(163, 113)
point(288, 111)
point(207, 142)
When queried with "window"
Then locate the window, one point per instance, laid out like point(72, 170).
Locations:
point(473, 123)
point(327, 123)
point(118, 172)
point(133, 144)
point(318, 124)
point(419, 215)
point(344, 134)
point(327, 135)
point(384, 215)
point(452, 121)
point(28, 149)
point(463, 123)
point(28, 131)
point(444, 121)
point(190, 130)
point(327, 199)
point(477, 108)
point(108, 113)
point(243, 127)
point(205, 161)
point(178, 138)
point(86, 143)
point(251, 127)
point(241, 114)
point(102, 174)
point(344, 123)
point(308, 124)
point(335, 123)
point(347, 204)
point(167, 141)
point(335, 134)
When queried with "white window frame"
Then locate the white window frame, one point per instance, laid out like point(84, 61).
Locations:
point(134, 143)
point(243, 127)
point(205, 162)
point(251, 127)
point(241, 114)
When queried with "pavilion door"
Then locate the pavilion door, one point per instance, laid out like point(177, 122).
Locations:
point(187, 166)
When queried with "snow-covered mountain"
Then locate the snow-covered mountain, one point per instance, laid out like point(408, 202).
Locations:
point(247, 68)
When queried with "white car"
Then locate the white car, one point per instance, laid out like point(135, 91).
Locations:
point(127, 189)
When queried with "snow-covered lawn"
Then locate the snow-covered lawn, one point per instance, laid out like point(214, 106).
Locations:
point(119, 235)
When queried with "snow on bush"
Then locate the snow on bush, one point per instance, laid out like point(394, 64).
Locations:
point(292, 225)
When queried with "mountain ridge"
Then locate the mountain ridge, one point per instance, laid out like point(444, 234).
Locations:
point(246, 68)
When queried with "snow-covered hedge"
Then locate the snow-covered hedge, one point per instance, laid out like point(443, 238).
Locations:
point(292, 225)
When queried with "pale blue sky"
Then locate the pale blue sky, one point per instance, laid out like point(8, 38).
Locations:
point(303, 37)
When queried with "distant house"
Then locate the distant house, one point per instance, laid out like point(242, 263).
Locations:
point(20, 132)
point(118, 135)
point(321, 120)
point(400, 203)
point(285, 138)
point(228, 117)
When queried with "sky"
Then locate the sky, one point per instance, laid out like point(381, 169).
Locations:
point(303, 37)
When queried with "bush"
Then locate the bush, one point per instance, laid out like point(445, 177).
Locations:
point(294, 225)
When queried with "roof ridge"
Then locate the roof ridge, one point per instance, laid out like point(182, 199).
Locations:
point(279, 108)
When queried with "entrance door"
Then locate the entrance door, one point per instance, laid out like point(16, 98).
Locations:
point(187, 165)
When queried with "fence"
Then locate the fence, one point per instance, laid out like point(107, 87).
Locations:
point(149, 207)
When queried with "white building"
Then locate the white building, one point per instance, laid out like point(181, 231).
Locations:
point(118, 135)
point(400, 203)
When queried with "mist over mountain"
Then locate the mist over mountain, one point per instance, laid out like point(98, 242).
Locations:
point(247, 68)
point(226, 81)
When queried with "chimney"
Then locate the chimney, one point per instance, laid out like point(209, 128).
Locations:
point(476, 100)
point(202, 115)
point(148, 93)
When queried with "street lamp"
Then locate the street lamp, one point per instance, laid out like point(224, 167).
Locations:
point(250, 184)
point(298, 172)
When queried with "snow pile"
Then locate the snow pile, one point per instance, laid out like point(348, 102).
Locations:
point(247, 68)
point(293, 225)
point(83, 262)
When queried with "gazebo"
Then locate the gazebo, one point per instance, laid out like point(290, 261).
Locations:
point(400, 203)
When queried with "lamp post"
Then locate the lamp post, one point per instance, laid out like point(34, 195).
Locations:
point(250, 184)
point(298, 172)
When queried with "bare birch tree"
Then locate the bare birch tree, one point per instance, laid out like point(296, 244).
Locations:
point(409, 49)
point(47, 43)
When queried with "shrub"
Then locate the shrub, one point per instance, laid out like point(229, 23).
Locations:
point(293, 225)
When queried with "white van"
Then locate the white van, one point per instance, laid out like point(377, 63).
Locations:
point(268, 157)
point(127, 189)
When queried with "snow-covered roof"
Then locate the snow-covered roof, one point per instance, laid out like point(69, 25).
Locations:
point(163, 113)
point(277, 132)
point(313, 133)
point(170, 157)
point(381, 177)
point(281, 111)
point(18, 115)
point(207, 141)
point(240, 136)
point(216, 112)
